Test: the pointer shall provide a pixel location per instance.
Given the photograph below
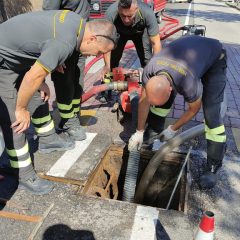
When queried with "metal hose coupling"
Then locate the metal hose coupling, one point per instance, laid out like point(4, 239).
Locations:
point(119, 86)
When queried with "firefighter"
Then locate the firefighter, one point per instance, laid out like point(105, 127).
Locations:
point(194, 67)
point(70, 122)
point(137, 22)
point(33, 45)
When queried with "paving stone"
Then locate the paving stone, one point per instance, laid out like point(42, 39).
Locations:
point(235, 122)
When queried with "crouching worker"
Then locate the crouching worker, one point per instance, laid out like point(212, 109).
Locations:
point(48, 42)
point(194, 67)
point(134, 21)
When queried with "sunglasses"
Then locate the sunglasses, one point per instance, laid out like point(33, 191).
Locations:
point(114, 40)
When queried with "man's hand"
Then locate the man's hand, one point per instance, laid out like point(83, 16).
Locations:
point(104, 71)
point(22, 121)
point(45, 92)
point(136, 140)
point(61, 68)
point(167, 134)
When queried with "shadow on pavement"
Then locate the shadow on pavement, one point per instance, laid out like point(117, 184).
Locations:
point(64, 232)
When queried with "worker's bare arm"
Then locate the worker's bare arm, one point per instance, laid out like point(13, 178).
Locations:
point(143, 110)
point(193, 108)
point(156, 44)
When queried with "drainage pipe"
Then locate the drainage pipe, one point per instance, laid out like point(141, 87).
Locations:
point(158, 158)
point(134, 155)
point(119, 86)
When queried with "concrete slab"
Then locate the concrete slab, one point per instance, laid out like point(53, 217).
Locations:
point(236, 135)
point(86, 217)
point(75, 216)
point(76, 164)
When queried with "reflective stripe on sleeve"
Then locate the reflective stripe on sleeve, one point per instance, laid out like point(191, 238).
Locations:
point(160, 111)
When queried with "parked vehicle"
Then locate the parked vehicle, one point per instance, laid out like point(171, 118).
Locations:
point(99, 7)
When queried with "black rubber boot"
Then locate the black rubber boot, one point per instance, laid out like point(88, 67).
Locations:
point(36, 185)
point(73, 128)
point(209, 179)
point(54, 142)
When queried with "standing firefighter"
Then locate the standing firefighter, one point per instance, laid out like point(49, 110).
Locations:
point(48, 42)
point(194, 67)
point(134, 21)
point(70, 116)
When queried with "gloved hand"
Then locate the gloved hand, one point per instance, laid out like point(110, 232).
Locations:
point(167, 134)
point(136, 140)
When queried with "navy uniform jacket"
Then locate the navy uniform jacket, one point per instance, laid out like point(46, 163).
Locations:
point(186, 60)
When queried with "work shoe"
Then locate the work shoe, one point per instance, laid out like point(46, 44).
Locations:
point(36, 185)
point(54, 142)
point(73, 128)
point(208, 180)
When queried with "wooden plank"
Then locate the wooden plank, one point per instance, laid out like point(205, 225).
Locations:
point(20, 217)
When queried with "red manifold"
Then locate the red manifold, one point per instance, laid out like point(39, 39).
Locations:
point(121, 74)
point(118, 74)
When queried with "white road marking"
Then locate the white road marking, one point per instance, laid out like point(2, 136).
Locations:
point(187, 16)
point(65, 162)
point(144, 226)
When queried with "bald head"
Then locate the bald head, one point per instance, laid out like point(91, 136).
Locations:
point(105, 28)
point(99, 37)
point(158, 90)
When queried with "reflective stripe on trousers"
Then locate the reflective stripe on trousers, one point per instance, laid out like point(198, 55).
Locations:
point(19, 158)
point(68, 111)
point(216, 134)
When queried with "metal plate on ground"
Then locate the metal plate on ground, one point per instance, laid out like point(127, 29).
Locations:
point(77, 164)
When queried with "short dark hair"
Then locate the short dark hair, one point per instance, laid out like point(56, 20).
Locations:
point(126, 3)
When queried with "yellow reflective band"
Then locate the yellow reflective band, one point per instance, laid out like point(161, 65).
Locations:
point(80, 27)
point(67, 115)
point(106, 80)
point(54, 25)
point(214, 131)
point(76, 101)
point(76, 110)
point(18, 152)
point(216, 138)
point(140, 14)
point(160, 111)
point(64, 106)
point(45, 129)
point(62, 16)
point(41, 120)
point(20, 164)
point(44, 67)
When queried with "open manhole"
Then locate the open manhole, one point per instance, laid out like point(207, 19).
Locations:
point(107, 181)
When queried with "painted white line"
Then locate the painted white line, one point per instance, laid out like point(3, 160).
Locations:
point(188, 14)
point(187, 17)
point(144, 223)
point(65, 162)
